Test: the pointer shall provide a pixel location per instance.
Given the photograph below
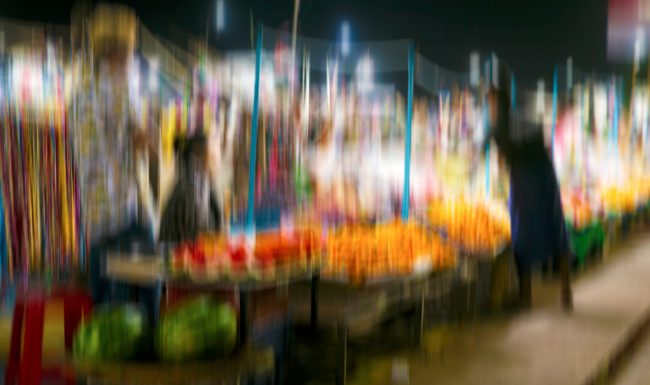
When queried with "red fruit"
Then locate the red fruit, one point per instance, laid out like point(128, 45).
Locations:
point(198, 257)
point(238, 255)
point(265, 258)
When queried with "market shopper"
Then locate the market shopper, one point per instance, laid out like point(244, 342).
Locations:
point(536, 217)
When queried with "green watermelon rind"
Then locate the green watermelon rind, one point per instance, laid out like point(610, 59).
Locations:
point(115, 334)
point(200, 328)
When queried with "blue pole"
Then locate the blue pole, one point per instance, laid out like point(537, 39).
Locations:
point(554, 115)
point(615, 123)
point(252, 165)
point(407, 153)
point(488, 79)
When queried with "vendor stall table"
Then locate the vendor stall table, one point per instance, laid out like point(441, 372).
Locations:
point(262, 305)
point(249, 366)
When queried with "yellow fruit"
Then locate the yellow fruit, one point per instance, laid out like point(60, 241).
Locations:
point(390, 249)
point(472, 224)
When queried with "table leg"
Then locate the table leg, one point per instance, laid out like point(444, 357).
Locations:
point(244, 316)
point(157, 298)
point(342, 353)
point(315, 282)
point(419, 321)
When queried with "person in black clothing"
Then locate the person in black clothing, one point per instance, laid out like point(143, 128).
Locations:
point(536, 217)
point(192, 207)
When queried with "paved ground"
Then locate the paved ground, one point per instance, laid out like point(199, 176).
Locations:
point(544, 346)
point(637, 369)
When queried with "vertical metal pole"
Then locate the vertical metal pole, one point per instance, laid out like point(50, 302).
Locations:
point(341, 353)
point(252, 165)
point(554, 115)
point(244, 315)
point(419, 318)
point(616, 118)
point(315, 283)
point(488, 82)
point(409, 118)
point(294, 30)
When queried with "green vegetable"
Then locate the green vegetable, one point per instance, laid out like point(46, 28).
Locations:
point(112, 334)
point(199, 328)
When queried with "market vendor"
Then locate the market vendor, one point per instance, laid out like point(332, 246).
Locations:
point(536, 217)
point(192, 207)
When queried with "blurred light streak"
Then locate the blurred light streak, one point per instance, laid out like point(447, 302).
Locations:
point(345, 38)
point(221, 15)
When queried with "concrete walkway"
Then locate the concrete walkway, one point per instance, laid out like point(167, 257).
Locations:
point(544, 346)
point(637, 369)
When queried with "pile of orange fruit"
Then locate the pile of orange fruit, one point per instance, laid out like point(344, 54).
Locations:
point(360, 253)
point(476, 226)
point(577, 209)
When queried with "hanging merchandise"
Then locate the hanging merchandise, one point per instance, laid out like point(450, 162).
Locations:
point(38, 173)
point(3, 243)
point(103, 124)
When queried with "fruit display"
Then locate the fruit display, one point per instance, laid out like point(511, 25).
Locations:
point(618, 199)
point(199, 328)
point(476, 226)
point(209, 258)
point(643, 187)
point(358, 252)
point(578, 211)
point(114, 333)
point(213, 257)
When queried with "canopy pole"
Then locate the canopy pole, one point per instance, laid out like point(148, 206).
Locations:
point(409, 117)
point(252, 165)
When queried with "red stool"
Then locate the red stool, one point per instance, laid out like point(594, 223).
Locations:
point(26, 367)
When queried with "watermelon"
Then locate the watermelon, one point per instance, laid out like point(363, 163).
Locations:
point(200, 328)
point(113, 333)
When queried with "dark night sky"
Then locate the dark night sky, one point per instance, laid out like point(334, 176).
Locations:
point(530, 35)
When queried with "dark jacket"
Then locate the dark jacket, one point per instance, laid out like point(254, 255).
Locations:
point(536, 218)
point(190, 209)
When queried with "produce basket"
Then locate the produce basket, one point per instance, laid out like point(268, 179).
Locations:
point(361, 308)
